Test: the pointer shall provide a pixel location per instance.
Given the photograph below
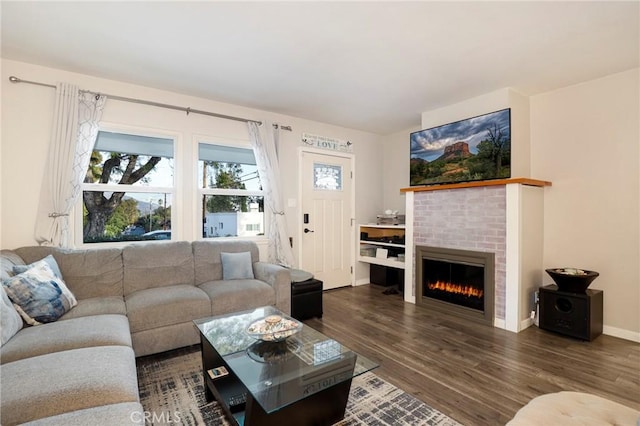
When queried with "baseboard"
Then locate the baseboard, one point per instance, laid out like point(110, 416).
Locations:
point(621, 333)
point(608, 330)
point(499, 323)
point(526, 323)
point(363, 281)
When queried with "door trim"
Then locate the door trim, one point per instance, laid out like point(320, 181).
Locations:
point(352, 159)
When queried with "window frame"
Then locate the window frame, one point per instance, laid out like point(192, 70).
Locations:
point(201, 192)
point(173, 191)
point(183, 205)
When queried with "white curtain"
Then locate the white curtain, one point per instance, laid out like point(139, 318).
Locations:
point(73, 135)
point(263, 140)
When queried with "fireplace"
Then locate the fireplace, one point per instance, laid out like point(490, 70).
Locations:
point(460, 282)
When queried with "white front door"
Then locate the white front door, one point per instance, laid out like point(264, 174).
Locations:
point(326, 194)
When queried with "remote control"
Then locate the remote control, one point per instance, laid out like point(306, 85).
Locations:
point(218, 372)
point(237, 402)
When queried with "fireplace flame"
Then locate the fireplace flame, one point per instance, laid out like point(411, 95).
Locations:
point(464, 290)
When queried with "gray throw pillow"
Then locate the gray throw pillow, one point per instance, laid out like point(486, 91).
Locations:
point(10, 320)
point(237, 266)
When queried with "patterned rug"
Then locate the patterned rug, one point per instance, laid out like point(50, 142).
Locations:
point(171, 392)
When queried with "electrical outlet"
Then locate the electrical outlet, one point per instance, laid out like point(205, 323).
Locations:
point(534, 300)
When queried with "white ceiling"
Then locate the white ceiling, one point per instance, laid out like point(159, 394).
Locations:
point(373, 66)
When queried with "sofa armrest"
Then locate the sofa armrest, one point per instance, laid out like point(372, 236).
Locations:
point(279, 278)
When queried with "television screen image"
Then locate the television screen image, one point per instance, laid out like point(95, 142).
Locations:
point(477, 148)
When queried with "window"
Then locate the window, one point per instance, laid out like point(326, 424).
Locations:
point(231, 192)
point(253, 227)
point(327, 176)
point(128, 189)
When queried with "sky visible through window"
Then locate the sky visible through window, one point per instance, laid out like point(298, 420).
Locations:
point(249, 176)
point(162, 176)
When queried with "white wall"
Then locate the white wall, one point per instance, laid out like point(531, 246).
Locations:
point(396, 168)
point(585, 139)
point(26, 123)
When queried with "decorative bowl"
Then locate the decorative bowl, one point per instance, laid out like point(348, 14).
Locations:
point(274, 328)
point(572, 280)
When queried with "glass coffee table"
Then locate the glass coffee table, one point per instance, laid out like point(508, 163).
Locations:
point(302, 380)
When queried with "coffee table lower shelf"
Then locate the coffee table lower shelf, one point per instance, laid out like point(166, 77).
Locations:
point(223, 391)
point(325, 407)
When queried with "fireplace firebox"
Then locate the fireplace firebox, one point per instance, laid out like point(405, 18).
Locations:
point(460, 282)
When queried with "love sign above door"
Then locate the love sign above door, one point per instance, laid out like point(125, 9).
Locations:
point(325, 142)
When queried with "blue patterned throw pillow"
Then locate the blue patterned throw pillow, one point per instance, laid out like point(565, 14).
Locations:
point(18, 269)
point(39, 295)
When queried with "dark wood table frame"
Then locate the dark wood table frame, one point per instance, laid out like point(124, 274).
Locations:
point(325, 407)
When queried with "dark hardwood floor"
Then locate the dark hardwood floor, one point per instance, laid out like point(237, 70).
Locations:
point(476, 374)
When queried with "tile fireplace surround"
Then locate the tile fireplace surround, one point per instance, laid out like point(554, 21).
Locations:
point(503, 217)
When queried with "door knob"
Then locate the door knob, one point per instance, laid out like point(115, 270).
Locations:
point(307, 230)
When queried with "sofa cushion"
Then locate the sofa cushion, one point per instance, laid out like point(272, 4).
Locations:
point(125, 413)
point(157, 264)
point(88, 273)
point(236, 266)
point(39, 295)
point(161, 339)
point(61, 382)
point(207, 259)
point(98, 330)
point(97, 306)
point(10, 319)
point(238, 295)
point(8, 259)
point(158, 307)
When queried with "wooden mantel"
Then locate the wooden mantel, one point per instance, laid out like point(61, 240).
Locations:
point(440, 187)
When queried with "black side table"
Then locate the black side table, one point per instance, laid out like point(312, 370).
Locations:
point(573, 314)
point(306, 299)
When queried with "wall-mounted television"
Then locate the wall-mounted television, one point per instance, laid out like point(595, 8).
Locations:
point(477, 148)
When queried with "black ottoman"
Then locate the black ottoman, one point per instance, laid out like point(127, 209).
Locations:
point(306, 299)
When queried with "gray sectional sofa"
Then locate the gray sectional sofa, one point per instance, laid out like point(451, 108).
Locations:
point(133, 301)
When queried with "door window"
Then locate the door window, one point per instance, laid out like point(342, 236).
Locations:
point(327, 177)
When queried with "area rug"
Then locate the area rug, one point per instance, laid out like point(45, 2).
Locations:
point(172, 392)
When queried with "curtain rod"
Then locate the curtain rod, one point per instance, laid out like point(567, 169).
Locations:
point(188, 110)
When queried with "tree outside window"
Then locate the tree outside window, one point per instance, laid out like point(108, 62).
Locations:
point(128, 188)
